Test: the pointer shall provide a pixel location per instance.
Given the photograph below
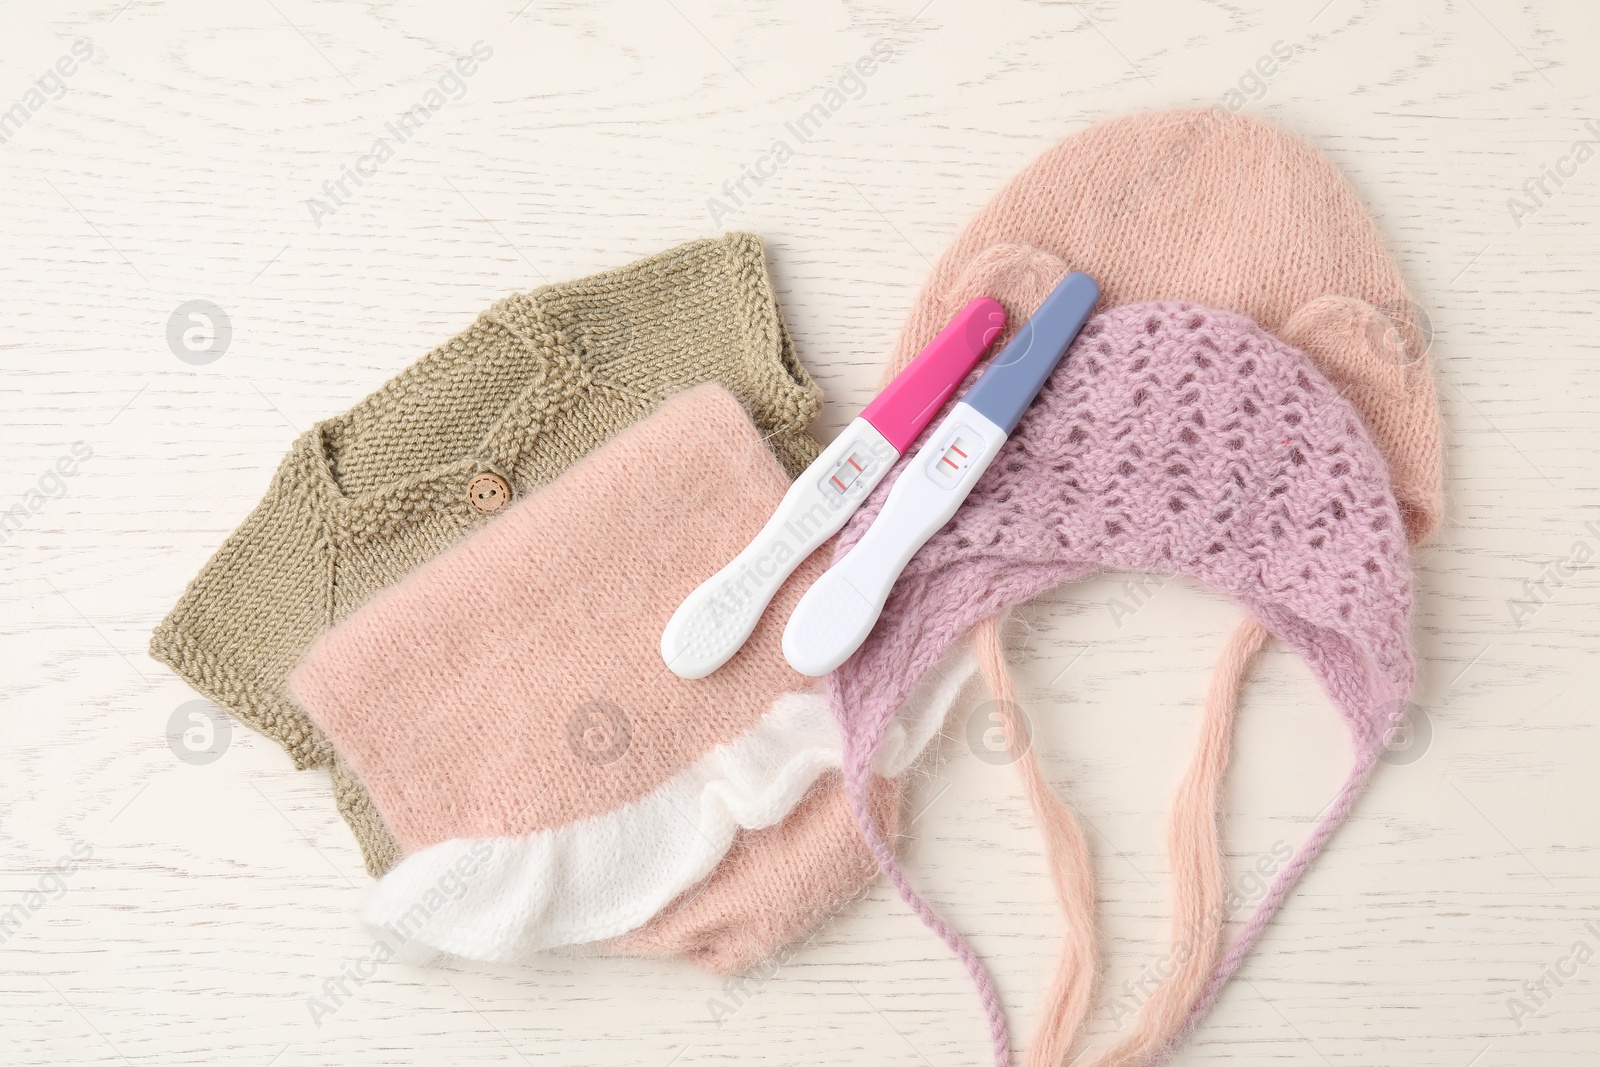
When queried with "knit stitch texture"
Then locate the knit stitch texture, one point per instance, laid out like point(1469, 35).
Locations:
point(1181, 440)
point(1225, 211)
point(537, 382)
point(506, 707)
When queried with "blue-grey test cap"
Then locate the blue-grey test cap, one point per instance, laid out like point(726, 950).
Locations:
point(1004, 390)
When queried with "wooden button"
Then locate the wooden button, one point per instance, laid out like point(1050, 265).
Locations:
point(488, 493)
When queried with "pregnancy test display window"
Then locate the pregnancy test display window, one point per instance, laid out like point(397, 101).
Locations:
point(951, 461)
point(837, 483)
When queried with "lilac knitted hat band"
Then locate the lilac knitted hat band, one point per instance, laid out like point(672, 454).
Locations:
point(1181, 440)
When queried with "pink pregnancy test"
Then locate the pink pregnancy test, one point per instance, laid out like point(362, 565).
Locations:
point(716, 619)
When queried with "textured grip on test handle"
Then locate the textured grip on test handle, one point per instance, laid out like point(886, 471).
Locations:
point(717, 618)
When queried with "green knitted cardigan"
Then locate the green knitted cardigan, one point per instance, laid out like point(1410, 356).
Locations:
point(537, 382)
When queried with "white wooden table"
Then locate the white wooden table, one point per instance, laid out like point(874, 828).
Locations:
point(210, 904)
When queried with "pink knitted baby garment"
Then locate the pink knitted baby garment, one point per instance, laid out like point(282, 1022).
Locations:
point(549, 782)
point(1182, 440)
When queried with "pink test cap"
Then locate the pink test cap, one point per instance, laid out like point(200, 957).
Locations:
point(910, 402)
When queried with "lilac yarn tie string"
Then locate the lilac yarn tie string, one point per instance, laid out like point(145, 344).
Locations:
point(999, 1035)
point(1256, 925)
point(1174, 439)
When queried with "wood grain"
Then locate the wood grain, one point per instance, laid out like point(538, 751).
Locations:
point(216, 901)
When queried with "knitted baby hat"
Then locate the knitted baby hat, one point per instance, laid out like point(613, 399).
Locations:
point(1225, 211)
point(1183, 440)
point(549, 782)
point(538, 381)
point(1221, 209)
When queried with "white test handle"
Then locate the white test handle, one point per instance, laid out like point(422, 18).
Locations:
point(841, 607)
point(715, 620)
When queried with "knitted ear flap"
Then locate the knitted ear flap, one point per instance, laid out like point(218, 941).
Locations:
point(1222, 210)
point(1374, 356)
point(1019, 276)
point(1352, 341)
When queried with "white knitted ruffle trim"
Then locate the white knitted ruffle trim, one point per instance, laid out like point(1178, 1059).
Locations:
point(501, 899)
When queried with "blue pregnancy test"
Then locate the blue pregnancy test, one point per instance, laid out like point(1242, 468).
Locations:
point(839, 610)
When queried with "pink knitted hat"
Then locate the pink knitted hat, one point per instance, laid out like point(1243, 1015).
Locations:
point(548, 782)
point(1225, 211)
point(1182, 440)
